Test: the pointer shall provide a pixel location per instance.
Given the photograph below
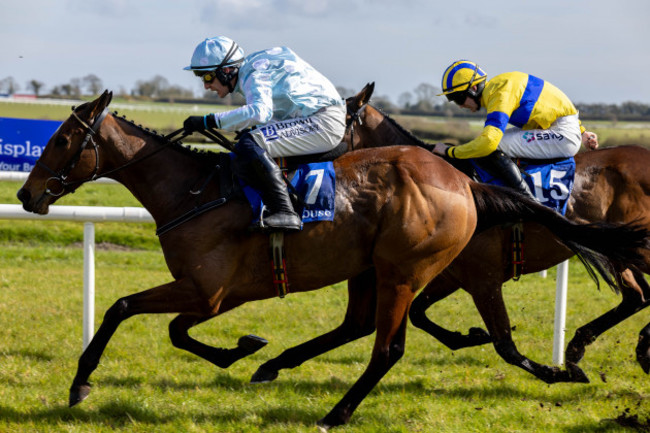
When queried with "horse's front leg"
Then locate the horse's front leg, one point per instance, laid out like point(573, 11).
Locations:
point(359, 321)
point(177, 296)
point(391, 319)
point(223, 358)
point(438, 289)
point(489, 301)
point(633, 285)
point(643, 349)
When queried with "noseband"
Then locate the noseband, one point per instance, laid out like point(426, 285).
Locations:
point(61, 175)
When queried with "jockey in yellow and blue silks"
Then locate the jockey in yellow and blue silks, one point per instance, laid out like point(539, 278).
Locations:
point(545, 123)
point(295, 111)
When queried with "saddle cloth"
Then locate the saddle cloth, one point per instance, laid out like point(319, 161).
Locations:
point(315, 187)
point(550, 181)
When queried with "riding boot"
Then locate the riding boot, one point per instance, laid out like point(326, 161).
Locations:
point(275, 195)
point(500, 165)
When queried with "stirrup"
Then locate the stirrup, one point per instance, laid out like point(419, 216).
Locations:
point(280, 221)
point(284, 221)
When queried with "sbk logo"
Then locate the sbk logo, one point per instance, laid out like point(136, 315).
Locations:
point(532, 136)
point(529, 136)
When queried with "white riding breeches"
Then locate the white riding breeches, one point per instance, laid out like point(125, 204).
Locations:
point(318, 133)
point(561, 140)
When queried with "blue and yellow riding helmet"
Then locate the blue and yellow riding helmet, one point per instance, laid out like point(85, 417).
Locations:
point(458, 80)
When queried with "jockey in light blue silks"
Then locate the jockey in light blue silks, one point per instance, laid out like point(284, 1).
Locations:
point(545, 122)
point(295, 111)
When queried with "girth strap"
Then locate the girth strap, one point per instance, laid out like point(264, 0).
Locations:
point(279, 263)
point(517, 243)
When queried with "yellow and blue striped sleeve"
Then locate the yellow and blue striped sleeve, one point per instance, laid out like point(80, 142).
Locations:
point(483, 145)
point(500, 97)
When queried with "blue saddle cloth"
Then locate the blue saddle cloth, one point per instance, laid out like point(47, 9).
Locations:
point(550, 183)
point(315, 185)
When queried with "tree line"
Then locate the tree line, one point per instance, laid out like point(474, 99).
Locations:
point(422, 100)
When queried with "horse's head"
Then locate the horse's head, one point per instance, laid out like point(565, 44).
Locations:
point(358, 101)
point(356, 107)
point(367, 126)
point(70, 158)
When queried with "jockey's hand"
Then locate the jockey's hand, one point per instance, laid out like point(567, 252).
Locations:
point(194, 124)
point(440, 149)
point(590, 140)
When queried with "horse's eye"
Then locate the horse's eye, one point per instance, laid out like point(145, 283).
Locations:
point(61, 141)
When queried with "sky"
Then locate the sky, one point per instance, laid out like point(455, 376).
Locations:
point(596, 51)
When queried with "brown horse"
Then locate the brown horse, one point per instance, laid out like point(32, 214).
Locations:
point(402, 215)
point(610, 186)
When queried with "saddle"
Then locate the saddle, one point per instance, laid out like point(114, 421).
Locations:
point(235, 183)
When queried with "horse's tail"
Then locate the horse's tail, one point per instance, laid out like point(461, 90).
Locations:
point(601, 246)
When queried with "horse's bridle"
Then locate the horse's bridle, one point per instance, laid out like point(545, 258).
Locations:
point(91, 130)
point(61, 175)
point(355, 116)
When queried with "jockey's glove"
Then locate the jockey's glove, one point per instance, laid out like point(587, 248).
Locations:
point(199, 123)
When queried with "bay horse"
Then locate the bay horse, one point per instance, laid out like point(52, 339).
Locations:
point(611, 185)
point(402, 215)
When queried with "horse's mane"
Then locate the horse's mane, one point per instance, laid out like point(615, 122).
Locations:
point(199, 154)
point(409, 134)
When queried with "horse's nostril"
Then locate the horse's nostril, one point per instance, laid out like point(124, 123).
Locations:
point(23, 195)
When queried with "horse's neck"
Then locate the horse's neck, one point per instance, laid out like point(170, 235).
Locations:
point(385, 131)
point(159, 179)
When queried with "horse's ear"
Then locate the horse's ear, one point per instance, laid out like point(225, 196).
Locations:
point(370, 87)
point(100, 104)
point(105, 99)
point(363, 97)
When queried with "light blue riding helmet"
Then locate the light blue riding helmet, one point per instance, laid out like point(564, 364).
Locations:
point(215, 53)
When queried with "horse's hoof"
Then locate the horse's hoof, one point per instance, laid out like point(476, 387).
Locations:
point(576, 374)
point(251, 343)
point(643, 359)
point(263, 375)
point(332, 419)
point(479, 336)
point(78, 394)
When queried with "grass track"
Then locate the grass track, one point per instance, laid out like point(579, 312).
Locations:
point(144, 384)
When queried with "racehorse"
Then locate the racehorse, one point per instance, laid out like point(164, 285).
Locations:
point(610, 186)
point(401, 213)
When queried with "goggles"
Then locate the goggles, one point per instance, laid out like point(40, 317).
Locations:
point(457, 97)
point(206, 77)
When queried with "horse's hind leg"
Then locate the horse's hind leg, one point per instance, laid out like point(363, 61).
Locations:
point(489, 302)
point(177, 296)
point(632, 302)
point(359, 321)
point(223, 358)
point(438, 289)
point(391, 319)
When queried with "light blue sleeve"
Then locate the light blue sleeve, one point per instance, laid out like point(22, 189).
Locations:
point(277, 85)
point(258, 109)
